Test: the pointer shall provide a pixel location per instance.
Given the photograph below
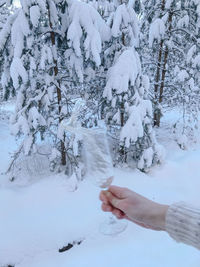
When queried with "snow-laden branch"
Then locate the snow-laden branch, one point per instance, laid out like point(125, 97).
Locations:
point(6, 30)
point(123, 74)
point(156, 31)
point(85, 20)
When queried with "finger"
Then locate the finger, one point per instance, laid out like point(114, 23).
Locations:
point(119, 214)
point(103, 197)
point(106, 208)
point(119, 192)
point(115, 202)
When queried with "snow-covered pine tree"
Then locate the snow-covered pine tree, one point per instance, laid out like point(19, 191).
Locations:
point(5, 11)
point(183, 54)
point(31, 73)
point(126, 89)
point(84, 33)
point(169, 29)
point(55, 53)
point(186, 90)
point(156, 29)
point(186, 95)
point(104, 7)
point(31, 67)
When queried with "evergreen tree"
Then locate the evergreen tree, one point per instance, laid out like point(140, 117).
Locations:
point(104, 7)
point(4, 55)
point(53, 52)
point(126, 91)
point(169, 29)
point(186, 94)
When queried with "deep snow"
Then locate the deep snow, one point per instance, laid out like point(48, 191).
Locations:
point(38, 219)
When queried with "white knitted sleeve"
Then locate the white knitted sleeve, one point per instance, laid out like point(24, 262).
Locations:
point(183, 223)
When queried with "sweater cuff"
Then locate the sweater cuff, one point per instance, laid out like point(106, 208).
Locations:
point(183, 223)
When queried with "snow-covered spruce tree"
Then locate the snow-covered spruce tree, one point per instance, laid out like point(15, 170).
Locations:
point(104, 7)
point(126, 89)
point(4, 12)
point(186, 95)
point(186, 89)
point(55, 50)
point(32, 70)
point(31, 73)
point(169, 29)
point(4, 54)
point(156, 26)
point(84, 33)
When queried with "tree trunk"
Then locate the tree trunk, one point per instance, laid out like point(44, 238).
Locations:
point(156, 83)
point(164, 69)
point(58, 90)
point(122, 147)
point(158, 79)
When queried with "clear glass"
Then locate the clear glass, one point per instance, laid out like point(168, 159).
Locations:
point(100, 172)
point(112, 226)
point(98, 163)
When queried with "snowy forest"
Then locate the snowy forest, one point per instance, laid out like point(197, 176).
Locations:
point(82, 77)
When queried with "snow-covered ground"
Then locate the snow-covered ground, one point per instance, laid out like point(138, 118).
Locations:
point(37, 220)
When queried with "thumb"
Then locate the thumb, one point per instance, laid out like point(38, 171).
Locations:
point(119, 192)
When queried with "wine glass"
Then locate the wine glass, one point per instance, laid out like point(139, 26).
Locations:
point(100, 172)
point(98, 164)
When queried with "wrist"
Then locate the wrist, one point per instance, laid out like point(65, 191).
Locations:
point(160, 216)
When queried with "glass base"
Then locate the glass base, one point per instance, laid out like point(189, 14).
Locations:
point(111, 226)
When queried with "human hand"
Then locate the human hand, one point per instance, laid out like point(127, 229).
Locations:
point(126, 204)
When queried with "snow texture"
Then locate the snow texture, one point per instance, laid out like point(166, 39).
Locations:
point(17, 70)
point(191, 53)
point(134, 127)
point(53, 13)
point(123, 74)
point(123, 18)
point(35, 15)
point(196, 61)
point(156, 31)
point(83, 16)
point(182, 75)
point(183, 22)
point(5, 32)
point(52, 211)
point(168, 4)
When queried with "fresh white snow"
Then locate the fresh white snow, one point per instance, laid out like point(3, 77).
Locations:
point(38, 219)
point(156, 31)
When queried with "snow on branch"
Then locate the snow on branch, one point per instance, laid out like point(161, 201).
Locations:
point(17, 70)
point(156, 31)
point(125, 17)
point(168, 4)
point(191, 53)
point(53, 13)
point(5, 32)
point(196, 61)
point(123, 73)
point(35, 15)
point(85, 19)
point(183, 22)
point(134, 127)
